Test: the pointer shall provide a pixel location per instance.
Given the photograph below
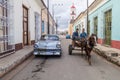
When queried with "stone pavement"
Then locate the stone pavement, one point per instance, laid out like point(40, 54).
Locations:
point(9, 62)
point(111, 54)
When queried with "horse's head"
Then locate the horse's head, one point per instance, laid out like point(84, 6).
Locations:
point(91, 40)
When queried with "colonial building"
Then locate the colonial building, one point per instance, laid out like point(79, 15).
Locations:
point(104, 22)
point(20, 23)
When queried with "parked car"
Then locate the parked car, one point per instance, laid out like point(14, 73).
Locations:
point(68, 36)
point(48, 45)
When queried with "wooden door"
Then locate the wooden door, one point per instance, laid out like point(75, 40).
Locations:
point(25, 26)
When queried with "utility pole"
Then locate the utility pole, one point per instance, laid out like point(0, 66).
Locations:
point(48, 14)
point(58, 17)
point(53, 10)
point(53, 13)
point(87, 17)
point(56, 26)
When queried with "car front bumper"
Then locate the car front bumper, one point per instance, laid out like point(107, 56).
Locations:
point(47, 52)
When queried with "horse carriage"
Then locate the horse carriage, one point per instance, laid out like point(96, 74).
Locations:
point(83, 45)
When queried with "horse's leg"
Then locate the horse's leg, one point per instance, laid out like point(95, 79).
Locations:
point(89, 59)
point(88, 56)
point(86, 53)
point(82, 51)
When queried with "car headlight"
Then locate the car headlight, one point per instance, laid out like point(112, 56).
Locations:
point(58, 46)
point(36, 46)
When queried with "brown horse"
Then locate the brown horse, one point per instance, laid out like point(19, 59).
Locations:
point(89, 47)
point(86, 45)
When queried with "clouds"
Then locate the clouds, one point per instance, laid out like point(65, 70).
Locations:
point(62, 8)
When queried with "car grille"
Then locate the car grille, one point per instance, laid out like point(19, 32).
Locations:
point(48, 49)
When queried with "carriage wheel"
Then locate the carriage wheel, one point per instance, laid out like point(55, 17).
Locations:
point(70, 49)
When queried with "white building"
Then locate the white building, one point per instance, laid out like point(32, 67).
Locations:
point(20, 25)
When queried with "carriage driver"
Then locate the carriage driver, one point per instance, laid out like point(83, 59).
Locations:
point(75, 35)
point(83, 35)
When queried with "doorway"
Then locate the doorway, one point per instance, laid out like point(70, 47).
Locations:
point(108, 24)
point(25, 26)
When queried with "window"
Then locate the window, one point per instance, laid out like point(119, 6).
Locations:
point(43, 27)
point(3, 27)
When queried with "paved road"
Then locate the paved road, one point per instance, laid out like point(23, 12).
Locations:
point(73, 67)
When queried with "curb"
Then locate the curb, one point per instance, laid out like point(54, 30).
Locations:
point(16, 63)
point(105, 54)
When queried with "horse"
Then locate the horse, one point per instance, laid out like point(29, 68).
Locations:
point(87, 46)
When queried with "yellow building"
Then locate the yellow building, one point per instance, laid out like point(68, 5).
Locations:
point(52, 25)
point(70, 29)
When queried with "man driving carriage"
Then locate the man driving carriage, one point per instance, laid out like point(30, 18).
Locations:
point(75, 36)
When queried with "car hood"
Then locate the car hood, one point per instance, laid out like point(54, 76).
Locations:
point(48, 44)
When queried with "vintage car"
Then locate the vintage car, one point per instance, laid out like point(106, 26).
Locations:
point(48, 45)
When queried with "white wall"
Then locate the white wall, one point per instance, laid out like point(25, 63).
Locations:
point(18, 26)
point(33, 7)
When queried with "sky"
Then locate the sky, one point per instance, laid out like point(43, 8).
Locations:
point(62, 10)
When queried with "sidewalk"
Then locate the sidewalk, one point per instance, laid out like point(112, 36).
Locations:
point(9, 62)
point(111, 54)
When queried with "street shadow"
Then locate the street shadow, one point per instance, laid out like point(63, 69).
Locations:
point(48, 57)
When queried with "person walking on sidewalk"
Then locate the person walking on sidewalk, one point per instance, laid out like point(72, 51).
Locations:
point(74, 37)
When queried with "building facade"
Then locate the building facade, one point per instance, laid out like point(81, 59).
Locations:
point(20, 23)
point(80, 22)
point(52, 26)
point(104, 22)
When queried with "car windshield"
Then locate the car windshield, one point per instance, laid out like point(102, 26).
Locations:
point(49, 37)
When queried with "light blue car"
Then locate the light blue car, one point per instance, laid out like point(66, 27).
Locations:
point(48, 45)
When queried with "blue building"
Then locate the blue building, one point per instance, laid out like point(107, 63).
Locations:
point(104, 21)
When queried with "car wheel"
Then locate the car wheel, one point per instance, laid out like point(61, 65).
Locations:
point(70, 50)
